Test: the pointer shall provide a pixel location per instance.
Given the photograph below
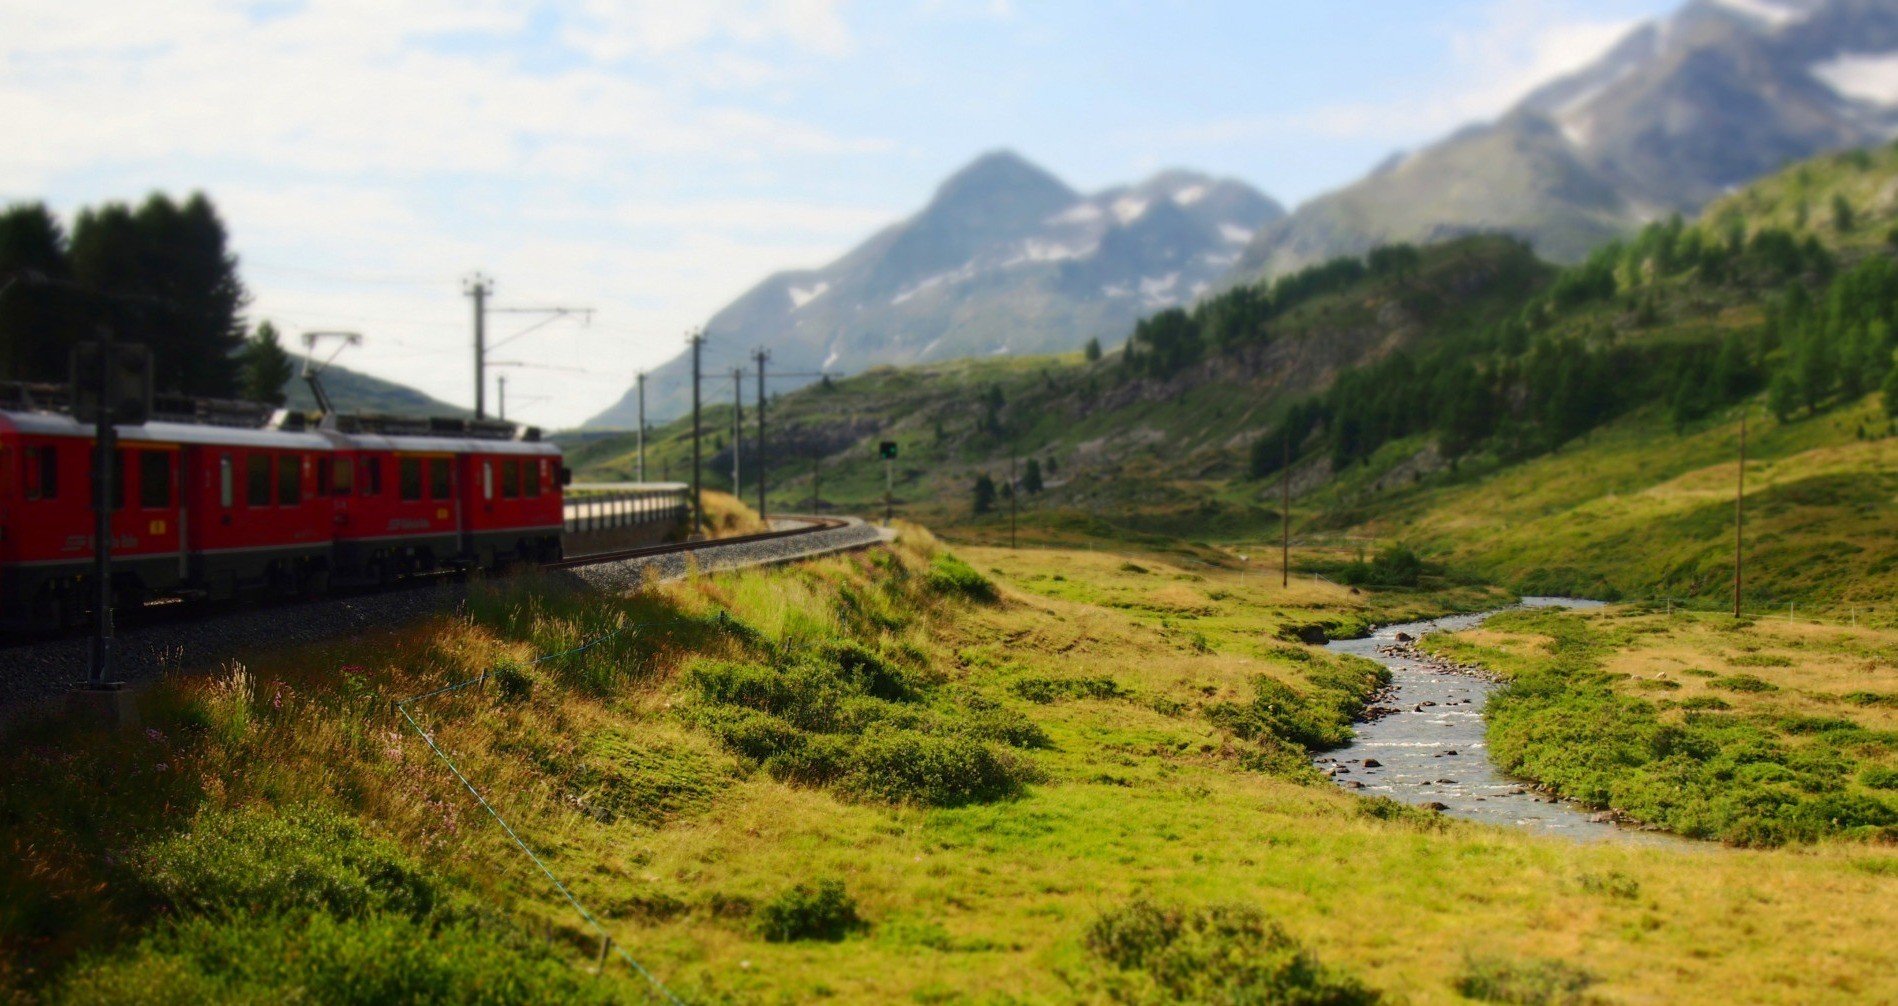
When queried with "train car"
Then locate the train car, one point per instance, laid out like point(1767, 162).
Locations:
point(195, 509)
point(233, 505)
point(413, 502)
point(511, 501)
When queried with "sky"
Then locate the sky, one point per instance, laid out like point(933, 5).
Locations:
point(653, 159)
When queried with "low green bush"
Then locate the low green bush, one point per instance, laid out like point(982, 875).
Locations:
point(951, 576)
point(1744, 683)
point(1544, 982)
point(821, 911)
point(300, 860)
point(1213, 954)
point(324, 959)
point(849, 717)
point(1045, 690)
point(1316, 718)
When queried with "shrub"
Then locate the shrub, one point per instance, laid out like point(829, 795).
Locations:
point(1744, 683)
point(1706, 702)
point(953, 577)
point(1215, 954)
point(512, 681)
point(904, 766)
point(1045, 690)
point(302, 860)
point(824, 911)
point(1522, 983)
point(1879, 778)
point(323, 959)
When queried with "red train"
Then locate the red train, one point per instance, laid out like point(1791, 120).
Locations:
point(209, 510)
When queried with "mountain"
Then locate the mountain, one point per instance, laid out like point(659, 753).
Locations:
point(1676, 114)
point(355, 391)
point(1006, 258)
point(1562, 431)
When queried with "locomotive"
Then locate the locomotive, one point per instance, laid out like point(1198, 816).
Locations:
point(223, 500)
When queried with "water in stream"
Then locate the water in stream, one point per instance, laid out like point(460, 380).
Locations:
point(1432, 749)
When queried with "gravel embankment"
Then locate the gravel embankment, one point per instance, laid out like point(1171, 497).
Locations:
point(37, 672)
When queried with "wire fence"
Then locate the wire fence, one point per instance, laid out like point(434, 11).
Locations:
point(607, 944)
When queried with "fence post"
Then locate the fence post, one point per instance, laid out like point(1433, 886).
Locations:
point(605, 943)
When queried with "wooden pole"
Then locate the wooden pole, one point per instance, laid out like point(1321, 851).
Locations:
point(1739, 514)
point(1285, 514)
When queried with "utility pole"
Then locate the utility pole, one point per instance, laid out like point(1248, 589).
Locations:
point(761, 356)
point(738, 420)
point(479, 287)
point(1739, 513)
point(503, 397)
point(1014, 493)
point(640, 381)
point(105, 452)
point(1285, 515)
point(696, 340)
point(817, 481)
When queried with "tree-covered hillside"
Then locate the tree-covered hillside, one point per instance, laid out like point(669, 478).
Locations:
point(1415, 387)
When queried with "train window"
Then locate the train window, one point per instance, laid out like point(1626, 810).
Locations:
point(487, 480)
point(344, 478)
point(225, 477)
point(438, 484)
point(289, 479)
point(154, 480)
point(510, 479)
point(257, 479)
point(322, 467)
point(411, 472)
point(42, 472)
point(530, 479)
point(372, 476)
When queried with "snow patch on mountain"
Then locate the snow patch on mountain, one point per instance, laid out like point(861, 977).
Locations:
point(1033, 250)
point(1770, 13)
point(1079, 213)
point(1867, 77)
point(1190, 195)
point(801, 296)
point(1236, 234)
point(1128, 209)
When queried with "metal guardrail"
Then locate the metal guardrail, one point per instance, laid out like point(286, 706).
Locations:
point(605, 511)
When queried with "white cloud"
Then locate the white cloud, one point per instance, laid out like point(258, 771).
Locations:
point(367, 154)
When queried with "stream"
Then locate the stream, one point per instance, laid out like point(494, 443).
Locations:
point(1432, 749)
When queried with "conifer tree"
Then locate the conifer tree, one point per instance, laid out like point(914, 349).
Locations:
point(267, 368)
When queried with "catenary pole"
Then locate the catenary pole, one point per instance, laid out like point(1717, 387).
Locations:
point(696, 340)
point(738, 425)
point(640, 381)
point(1285, 514)
point(762, 356)
point(478, 287)
point(1739, 513)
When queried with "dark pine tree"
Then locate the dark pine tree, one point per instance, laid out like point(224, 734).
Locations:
point(983, 495)
point(267, 368)
point(39, 319)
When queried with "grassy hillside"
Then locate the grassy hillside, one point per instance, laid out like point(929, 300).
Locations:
point(896, 776)
point(1571, 430)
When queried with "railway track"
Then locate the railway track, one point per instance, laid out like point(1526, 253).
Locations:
point(180, 637)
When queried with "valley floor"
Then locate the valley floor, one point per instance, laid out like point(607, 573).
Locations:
point(1048, 775)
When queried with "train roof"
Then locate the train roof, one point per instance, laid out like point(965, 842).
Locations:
point(59, 424)
point(441, 445)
